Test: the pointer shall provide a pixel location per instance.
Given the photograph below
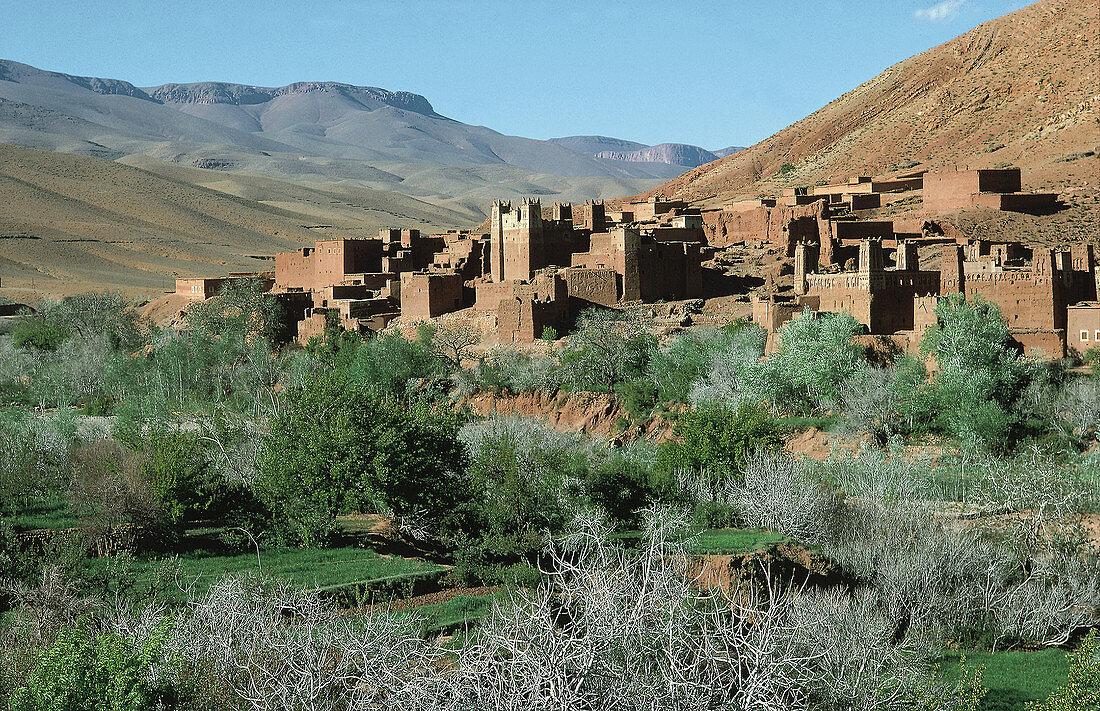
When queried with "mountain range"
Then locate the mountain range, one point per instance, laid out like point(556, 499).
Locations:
point(314, 132)
point(632, 152)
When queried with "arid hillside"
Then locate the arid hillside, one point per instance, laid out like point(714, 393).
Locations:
point(1019, 90)
point(71, 223)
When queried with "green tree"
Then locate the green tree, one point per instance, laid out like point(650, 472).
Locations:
point(173, 464)
point(607, 347)
point(339, 448)
point(675, 368)
point(80, 672)
point(619, 486)
point(523, 473)
point(816, 355)
point(386, 363)
point(717, 438)
point(979, 374)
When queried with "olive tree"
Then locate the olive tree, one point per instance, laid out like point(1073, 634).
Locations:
point(607, 347)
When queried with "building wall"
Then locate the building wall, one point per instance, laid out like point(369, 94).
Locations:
point(294, 270)
point(425, 296)
point(199, 289)
point(852, 229)
point(782, 227)
point(488, 295)
point(1051, 344)
point(953, 189)
point(517, 242)
point(592, 286)
point(1026, 300)
point(334, 259)
point(1083, 327)
point(521, 320)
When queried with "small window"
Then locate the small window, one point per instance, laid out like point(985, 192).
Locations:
point(1097, 337)
point(1085, 336)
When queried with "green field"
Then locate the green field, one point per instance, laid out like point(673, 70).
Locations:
point(734, 541)
point(463, 608)
point(53, 512)
point(309, 568)
point(1012, 678)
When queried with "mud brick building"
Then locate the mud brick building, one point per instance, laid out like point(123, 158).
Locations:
point(1037, 291)
point(425, 295)
point(203, 288)
point(999, 189)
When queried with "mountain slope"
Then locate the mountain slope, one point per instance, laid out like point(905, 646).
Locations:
point(671, 153)
point(70, 223)
point(220, 124)
point(1020, 90)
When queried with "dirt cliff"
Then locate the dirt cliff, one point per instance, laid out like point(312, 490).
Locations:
point(595, 414)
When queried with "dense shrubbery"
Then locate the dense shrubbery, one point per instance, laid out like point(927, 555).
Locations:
point(218, 427)
point(338, 448)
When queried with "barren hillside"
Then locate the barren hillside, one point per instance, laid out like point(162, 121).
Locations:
point(1022, 90)
point(70, 223)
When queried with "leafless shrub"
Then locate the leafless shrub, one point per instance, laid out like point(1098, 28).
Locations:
point(108, 483)
point(612, 629)
point(1078, 404)
point(454, 342)
point(928, 576)
point(237, 446)
point(781, 494)
point(277, 648)
point(40, 610)
point(857, 660)
point(1059, 596)
point(869, 398)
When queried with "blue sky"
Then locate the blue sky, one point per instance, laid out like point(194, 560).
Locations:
point(706, 72)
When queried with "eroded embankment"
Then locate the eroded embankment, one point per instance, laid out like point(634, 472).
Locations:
point(594, 414)
point(789, 563)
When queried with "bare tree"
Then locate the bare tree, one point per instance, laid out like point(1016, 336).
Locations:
point(454, 342)
point(780, 493)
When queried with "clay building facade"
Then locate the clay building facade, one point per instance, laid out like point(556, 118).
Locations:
point(425, 295)
point(1037, 294)
point(998, 189)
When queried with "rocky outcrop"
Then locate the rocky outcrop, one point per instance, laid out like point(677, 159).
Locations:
point(212, 92)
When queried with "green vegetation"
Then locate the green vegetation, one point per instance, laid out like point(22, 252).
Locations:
point(732, 541)
point(1012, 678)
point(460, 610)
point(195, 570)
point(1081, 690)
point(231, 479)
point(82, 673)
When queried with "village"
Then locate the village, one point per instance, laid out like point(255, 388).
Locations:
point(533, 271)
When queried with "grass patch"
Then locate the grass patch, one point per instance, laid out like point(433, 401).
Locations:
point(1012, 678)
point(308, 568)
point(456, 611)
point(53, 512)
point(735, 541)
